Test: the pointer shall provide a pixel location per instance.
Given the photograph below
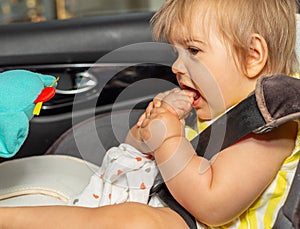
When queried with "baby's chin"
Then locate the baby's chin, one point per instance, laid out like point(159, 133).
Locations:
point(203, 116)
point(206, 114)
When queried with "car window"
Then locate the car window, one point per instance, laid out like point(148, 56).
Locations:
point(14, 11)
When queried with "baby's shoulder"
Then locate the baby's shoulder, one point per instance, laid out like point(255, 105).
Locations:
point(280, 142)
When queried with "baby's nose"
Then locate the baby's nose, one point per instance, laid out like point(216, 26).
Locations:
point(178, 66)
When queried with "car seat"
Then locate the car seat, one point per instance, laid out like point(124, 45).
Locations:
point(288, 216)
point(58, 176)
point(111, 130)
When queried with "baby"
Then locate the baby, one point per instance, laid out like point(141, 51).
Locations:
point(223, 47)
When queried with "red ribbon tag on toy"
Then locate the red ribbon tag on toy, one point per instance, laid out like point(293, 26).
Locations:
point(46, 94)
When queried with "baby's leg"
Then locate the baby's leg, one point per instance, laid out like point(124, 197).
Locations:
point(136, 216)
point(127, 215)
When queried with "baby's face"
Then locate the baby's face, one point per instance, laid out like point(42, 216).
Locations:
point(205, 65)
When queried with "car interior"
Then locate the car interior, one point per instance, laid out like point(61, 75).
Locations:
point(90, 80)
point(109, 69)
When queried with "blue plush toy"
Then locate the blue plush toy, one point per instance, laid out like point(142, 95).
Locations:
point(21, 96)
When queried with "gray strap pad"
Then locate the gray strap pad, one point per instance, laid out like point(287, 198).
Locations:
point(278, 99)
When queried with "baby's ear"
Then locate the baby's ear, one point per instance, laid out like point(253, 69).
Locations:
point(257, 55)
point(13, 132)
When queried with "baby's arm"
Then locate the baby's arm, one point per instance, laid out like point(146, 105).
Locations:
point(232, 180)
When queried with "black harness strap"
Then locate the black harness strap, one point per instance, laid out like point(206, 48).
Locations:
point(257, 113)
point(240, 121)
point(229, 128)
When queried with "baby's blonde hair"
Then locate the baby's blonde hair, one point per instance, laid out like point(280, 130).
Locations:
point(236, 20)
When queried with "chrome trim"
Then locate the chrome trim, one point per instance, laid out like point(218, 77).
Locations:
point(85, 81)
point(82, 65)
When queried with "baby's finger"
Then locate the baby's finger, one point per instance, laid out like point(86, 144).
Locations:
point(141, 119)
point(183, 105)
point(189, 93)
point(156, 111)
point(182, 108)
point(149, 109)
point(145, 123)
point(156, 102)
point(160, 96)
point(174, 100)
point(145, 114)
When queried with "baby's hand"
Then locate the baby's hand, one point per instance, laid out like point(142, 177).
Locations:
point(177, 101)
point(160, 125)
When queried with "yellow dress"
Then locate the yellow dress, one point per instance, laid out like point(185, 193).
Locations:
point(263, 212)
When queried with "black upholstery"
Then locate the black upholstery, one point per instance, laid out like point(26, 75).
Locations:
point(71, 41)
point(90, 139)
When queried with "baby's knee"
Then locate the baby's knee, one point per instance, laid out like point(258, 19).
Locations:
point(146, 217)
point(138, 216)
point(132, 215)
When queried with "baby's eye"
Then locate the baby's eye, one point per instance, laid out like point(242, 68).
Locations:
point(193, 51)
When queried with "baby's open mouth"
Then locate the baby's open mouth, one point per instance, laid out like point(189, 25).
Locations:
point(197, 98)
point(197, 94)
